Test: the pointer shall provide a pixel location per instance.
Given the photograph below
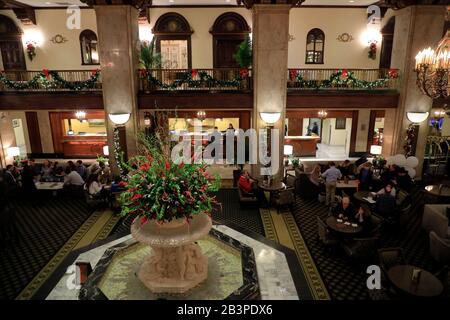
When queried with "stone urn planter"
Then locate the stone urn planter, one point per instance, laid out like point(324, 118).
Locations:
point(176, 263)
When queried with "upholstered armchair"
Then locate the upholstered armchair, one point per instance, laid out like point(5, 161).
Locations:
point(435, 219)
point(439, 248)
point(284, 198)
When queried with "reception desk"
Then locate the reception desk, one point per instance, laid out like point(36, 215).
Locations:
point(304, 146)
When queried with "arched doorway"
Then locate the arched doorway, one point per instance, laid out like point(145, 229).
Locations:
point(228, 31)
point(11, 47)
point(387, 43)
point(173, 40)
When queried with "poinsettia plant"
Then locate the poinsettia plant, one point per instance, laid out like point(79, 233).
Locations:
point(162, 189)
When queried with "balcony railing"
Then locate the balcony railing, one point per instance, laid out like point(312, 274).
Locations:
point(219, 79)
point(51, 80)
point(342, 79)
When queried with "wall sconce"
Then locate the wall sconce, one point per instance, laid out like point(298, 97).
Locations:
point(106, 150)
point(371, 37)
point(145, 33)
point(32, 39)
point(119, 119)
point(270, 117)
point(417, 117)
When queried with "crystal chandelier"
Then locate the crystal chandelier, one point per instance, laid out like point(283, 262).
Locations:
point(201, 115)
point(81, 115)
point(432, 68)
point(322, 114)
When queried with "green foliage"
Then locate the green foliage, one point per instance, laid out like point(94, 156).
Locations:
point(160, 189)
point(243, 55)
point(149, 59)
point(295, 162)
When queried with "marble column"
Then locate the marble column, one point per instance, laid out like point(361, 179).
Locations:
point(118, 35)
point(416, 27)
point(270, 54)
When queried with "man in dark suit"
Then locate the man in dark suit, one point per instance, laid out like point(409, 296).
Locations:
point(10, 181)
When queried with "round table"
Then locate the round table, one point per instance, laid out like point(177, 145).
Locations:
point(341, 228)
point(427, 285)
point(271, 188)
point(441, 192)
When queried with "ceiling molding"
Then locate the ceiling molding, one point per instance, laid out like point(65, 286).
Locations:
point(400, 4)
point(249, 3)
point(138, 4)
point(23, 12)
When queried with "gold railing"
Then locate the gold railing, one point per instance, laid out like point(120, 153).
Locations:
point(25, 78)
point(343, 79)
point(219, 79)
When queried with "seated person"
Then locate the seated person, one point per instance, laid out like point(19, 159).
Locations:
point(362, 217)
point(385, 205)
point(345, 210)
point(72, 177)
point(47, 169)
point(95, 188)
point(388, 190)
point(315, 176)
point(118, 185)
point(247, 184)
point(404, 181)
point(81, 169)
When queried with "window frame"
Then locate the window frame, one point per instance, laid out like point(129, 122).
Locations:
point(316, 32)
point(91, 36)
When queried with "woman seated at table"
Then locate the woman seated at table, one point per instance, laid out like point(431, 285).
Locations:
point(47, 169)
point(249, 186)
point(388, 190)
point(95, 188)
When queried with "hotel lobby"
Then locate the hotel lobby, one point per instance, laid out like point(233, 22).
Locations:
point(291, 150)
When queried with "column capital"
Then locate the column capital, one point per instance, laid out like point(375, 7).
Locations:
point(249, 3)
point(138, 4)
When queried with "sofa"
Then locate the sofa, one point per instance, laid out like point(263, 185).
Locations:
point(439, 248)
point(435, 219)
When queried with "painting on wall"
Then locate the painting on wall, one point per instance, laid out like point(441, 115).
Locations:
point(96, 122)
point(340, 123)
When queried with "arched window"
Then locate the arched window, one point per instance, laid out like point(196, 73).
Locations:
point(315, 42)
point(173, 40)
point(229, 30)
point(89, 47)
point(11, 47)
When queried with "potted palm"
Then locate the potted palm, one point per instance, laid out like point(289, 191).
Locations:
point(244, 58)
point(149, 59)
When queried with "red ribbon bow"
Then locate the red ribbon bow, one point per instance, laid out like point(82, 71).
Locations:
point(46, 73)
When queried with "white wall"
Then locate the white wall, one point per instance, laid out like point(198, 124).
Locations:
point(331, 20)
point(66, 56)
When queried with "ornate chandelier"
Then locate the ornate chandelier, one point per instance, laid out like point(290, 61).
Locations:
point(322, 114)
point(432, 68)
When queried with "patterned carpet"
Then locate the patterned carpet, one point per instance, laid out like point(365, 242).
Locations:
point(345, 280)
point(246, 217)
point(42, 230)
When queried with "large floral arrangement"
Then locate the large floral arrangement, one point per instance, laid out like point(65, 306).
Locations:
point(158, 188)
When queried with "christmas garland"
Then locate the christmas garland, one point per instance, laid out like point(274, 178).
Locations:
point(50, 80)
point(195, 79)
point(342, 78)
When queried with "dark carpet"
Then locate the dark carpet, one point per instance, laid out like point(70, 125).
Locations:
point(346, 280)
point(246, 217)
point(41, 231)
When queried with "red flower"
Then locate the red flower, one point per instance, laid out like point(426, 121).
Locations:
point(167, 165)
point(46, 73)
point(145, 166)
point(181, 165)
point(293, 74)
point(393, 73)
point(122, 184)
point(243, 73)
point(95, 72)
point(194, 73)
point(344, 73)
point(144, 220)
point(136, 197)
point(142, 73)
point(30, 46)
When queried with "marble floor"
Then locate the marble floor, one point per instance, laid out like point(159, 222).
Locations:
point(274, 268)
